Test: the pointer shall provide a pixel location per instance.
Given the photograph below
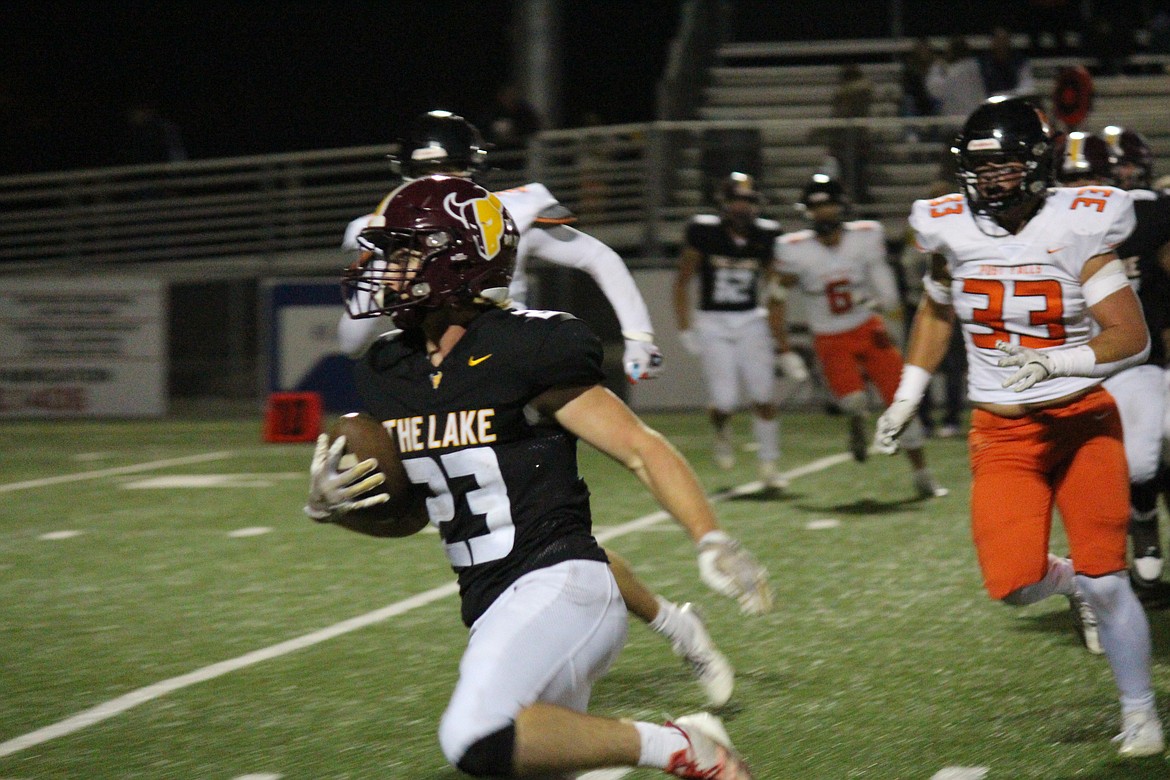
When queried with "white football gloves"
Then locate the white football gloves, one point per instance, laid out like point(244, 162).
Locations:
point(332, 490)
point(730, 570)
point(892, 423)
point(690, 341)
point(792, 365)
point(642, 360)
point(1035, 366)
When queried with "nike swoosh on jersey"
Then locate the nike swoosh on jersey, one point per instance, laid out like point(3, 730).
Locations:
point(1054, 251)
point(474, 361)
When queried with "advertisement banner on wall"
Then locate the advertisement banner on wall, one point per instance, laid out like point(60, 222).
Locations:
point(83, 347)
point(301, 318)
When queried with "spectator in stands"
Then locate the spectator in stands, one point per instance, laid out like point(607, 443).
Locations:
point(512, 124)
point(1110, 40)
point(916, 98)
point(151, 138)
point(850, 146)
point(954, 80)
point(1006, 71)
point(1048, 23)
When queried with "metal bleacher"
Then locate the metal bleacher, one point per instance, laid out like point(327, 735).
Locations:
point(771, 83)
point(634, 185)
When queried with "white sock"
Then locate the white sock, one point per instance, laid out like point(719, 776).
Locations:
point(659, 743)
point(1125, 636)
point(1058, 580)
point(767, 433)
point(664, 621)
point(667, 623)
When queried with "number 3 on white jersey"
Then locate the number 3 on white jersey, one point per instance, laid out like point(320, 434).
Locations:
point(489, 499)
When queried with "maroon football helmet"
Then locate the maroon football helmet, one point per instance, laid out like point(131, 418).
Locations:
point(1131, 158)
point(1084, 156)
point(434, 242)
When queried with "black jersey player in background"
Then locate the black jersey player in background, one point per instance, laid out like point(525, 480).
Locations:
point(486, 405)
point(737, 325)
point(1146, 254)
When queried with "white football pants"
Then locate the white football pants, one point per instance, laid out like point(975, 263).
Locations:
point(736, 348)
point(1140, 398)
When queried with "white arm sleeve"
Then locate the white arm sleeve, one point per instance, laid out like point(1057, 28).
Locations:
point(569, 247)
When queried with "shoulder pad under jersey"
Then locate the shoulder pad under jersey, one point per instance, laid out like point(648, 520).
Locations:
point(556, 214)
point(796, 236)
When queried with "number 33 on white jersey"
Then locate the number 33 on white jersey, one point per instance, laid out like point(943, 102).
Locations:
point(1023, 288)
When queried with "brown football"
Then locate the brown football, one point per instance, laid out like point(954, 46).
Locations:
point(403, 513)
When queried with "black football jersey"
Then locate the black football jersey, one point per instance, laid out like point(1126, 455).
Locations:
point(1139, 253)
point(729, 274)
point(504, 487)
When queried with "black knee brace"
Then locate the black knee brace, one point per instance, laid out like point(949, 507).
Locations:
point(491, 756)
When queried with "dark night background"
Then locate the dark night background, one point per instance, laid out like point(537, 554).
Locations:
point(259, 77)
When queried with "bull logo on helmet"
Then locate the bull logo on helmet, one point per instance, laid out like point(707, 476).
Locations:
point(484, 216)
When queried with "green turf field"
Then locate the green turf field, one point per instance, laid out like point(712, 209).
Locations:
point(883, 658)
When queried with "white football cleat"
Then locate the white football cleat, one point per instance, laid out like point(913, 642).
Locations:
point(711, 668)
point(709, 754)
point(1147, 550)
point(771, 476)
point(1141, 735)
point(926, 487)
point(1085, 623)
point(724, 450)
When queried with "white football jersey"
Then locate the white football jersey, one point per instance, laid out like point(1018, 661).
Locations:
point(1023, 288)
point(839, 281)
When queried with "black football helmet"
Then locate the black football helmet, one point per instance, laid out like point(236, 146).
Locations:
point(1002, 131)
point(822, 188)
point(443, 241)
point(440, 142)
point(1130, 158)
point(739, 186)
point(1084, 156)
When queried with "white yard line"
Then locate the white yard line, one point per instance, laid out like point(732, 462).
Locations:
point(134, 698)
point(112, 472)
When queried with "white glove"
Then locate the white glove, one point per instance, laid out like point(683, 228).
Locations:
point(642, 360)
point(891, 424)
point(728, 569)
point(690, 341)
point(331, 491)
point(792, 366)
point(1035, 366)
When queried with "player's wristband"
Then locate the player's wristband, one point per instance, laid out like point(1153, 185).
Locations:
point(915, 380)
point(1082, 361)
point(638, 335)
point(714, 537)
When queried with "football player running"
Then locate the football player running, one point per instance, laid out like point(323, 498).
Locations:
point(734, 336)
point(1032, 276)
point(1122, 156)
point(840, 266)
point(442, 142)
point(487, 404)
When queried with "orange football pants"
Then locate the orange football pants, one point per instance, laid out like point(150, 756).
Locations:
point(1070, 455)
point(867, 351)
